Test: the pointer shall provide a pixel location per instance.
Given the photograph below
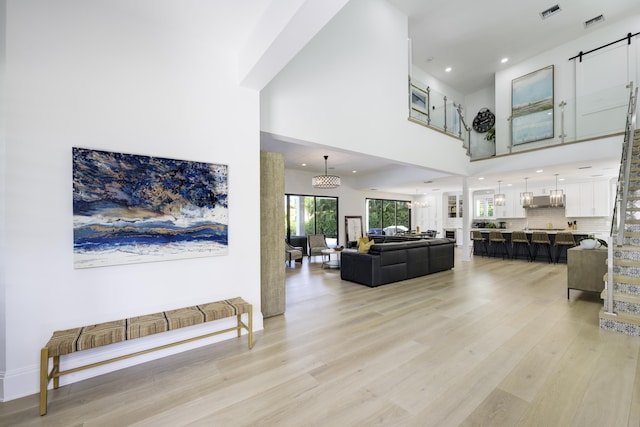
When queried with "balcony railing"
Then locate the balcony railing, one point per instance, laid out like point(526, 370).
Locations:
point(597, 114)
point(435, 110)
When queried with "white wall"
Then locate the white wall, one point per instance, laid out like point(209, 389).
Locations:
point(484, 98)
point(348, 89)
point(564, 80)
point(152, 78)
point(3, 167)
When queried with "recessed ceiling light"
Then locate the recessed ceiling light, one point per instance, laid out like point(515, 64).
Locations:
point(560, 179)
point(550, 12)
point(354, 171)
point(448, 69)
point(304, 164)
point(539, 171)
point(481, 178)
point(504, 60)
point(509, 185)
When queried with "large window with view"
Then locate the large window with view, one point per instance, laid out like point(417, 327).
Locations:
point(305, 215)
point(388, 217)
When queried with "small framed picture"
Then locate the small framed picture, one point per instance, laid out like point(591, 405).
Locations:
point(418, 99)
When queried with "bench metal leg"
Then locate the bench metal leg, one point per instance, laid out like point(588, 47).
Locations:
point(44, 379)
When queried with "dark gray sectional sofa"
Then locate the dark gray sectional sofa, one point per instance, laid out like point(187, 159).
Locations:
point(395, 261)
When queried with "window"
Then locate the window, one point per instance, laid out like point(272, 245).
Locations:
point(388, 216)
point(306, 215)
point(484, 206)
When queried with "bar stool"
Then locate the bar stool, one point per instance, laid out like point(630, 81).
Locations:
point(540, 238)
point(519, 239)
point(496, 238)
point(563, 240)
point(476, 236)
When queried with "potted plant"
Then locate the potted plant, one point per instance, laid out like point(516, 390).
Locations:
point(490, 135)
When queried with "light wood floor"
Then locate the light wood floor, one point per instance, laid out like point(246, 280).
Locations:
point(491, 343)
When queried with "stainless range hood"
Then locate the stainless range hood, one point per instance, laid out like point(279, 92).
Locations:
point(543, 202)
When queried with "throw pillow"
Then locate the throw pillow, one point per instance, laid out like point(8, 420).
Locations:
point(364, 247)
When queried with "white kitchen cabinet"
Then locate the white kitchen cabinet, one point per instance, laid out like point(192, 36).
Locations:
point(587, 199)
point(512, 207)
point(601, 197)
point(454, 206)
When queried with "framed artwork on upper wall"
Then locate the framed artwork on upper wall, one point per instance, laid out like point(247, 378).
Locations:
point(532, 107)
point(418, 104)
point(129, 208)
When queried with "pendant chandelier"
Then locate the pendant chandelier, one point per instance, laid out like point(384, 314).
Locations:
point(557, 196)
point(325, 181)
point(526, 198)
point(499, 199)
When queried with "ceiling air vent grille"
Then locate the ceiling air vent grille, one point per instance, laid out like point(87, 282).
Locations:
point(593, 21)
point(550, 12)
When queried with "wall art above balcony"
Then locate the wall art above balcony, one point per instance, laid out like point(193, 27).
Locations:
point(532, 107)
point(129, 208)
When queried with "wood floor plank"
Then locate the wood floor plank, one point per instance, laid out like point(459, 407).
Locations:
point(492, 342)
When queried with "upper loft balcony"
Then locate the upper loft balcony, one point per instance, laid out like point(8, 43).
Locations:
point(535, 120)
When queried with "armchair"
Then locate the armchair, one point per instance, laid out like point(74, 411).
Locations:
point(292, 253)
point(317, 242)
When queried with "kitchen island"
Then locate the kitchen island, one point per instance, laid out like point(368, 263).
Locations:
point(542, 254)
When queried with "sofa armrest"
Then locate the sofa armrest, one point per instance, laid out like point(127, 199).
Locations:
point(360, 268)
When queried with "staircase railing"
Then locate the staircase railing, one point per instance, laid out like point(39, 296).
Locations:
point(467, 140)
point(622, 193)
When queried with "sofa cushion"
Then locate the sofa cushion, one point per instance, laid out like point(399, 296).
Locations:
point(418, 261)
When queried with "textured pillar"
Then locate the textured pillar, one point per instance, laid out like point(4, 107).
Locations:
point(272, 233)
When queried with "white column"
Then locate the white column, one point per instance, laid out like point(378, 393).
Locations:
point(466, 219)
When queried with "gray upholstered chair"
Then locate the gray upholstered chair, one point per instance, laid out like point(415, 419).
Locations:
point(292, 253)
point(495, 239)
point(540, 239)
point(317, 243)
point(518, 240)
point(479, 241)
point(563, 240)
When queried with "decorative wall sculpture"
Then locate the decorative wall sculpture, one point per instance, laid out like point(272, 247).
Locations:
point(129, 208)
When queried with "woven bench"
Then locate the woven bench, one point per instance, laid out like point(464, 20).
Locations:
point(93, 336)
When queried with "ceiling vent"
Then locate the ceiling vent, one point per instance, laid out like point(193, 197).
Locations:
point(593, 21)
point(550, 12)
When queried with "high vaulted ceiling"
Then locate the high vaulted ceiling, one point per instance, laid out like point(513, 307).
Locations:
point(472, 37)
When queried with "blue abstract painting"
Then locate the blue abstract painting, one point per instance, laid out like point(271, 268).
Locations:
point(129, 208)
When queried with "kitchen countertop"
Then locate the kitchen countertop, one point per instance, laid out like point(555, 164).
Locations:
point(552, 231)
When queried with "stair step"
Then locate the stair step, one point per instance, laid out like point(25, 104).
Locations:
point(626, 253)
point(626, 280)
point(625, 288)
point(626, 268)
point(631, 227)
point(622, 322)
point(632, 239)
point(623, 297)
